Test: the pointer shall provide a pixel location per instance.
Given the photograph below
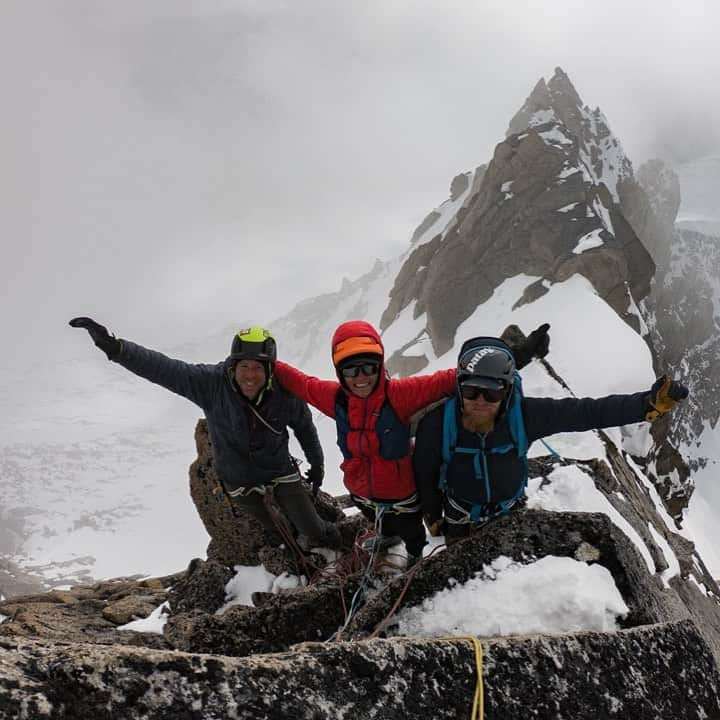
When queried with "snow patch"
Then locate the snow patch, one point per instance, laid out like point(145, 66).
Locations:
point(571, 596)
point(670, 557)
point(153, 623)
point(567, 208)
point(570, 489)
point(588, 241)
point(247, 580)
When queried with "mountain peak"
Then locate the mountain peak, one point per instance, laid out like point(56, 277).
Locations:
point(555, 100)
point(562, 89)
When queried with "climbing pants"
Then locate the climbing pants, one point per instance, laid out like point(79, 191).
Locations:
point(293, 499)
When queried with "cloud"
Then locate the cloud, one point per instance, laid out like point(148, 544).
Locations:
point(170, 164)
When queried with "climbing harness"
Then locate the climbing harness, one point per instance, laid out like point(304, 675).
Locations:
point(409, 505)
point(266, 488)
point(479, 514)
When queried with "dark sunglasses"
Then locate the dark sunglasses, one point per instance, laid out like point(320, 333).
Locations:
point(471, 392)
point(367, 368)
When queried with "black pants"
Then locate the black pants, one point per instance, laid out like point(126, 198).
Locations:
point(407, 525)
point(297, 506)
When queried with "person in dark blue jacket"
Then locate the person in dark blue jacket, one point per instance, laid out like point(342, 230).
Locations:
point(470, 458)
point(247, 415)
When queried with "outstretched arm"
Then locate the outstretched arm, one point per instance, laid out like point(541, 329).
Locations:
point(193, 382)
point(408, 395)
point(319, 393)
point(547, 416)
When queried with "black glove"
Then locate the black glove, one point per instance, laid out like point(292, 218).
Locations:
point(665, 394)
point(314, 477)
point(108, 343)
point(537, 344)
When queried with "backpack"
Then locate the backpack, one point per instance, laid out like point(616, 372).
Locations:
point(519, 443)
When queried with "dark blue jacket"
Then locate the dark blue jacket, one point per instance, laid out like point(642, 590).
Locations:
point(245, 452)
point(543, 417)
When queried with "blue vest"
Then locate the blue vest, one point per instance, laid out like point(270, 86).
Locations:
point(393, 436)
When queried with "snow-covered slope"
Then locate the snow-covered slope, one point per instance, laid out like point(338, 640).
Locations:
point(93, 462)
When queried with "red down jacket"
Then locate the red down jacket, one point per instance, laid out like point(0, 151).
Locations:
point(366, 472)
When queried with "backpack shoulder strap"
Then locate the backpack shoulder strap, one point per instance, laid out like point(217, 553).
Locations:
point(516, 423)
point(449, 439)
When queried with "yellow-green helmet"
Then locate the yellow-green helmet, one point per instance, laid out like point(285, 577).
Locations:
point(254, 343)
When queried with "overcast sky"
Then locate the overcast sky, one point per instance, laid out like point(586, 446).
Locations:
point(171, 167)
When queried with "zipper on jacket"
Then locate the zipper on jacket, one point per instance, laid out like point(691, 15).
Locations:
point(369, 459)
point(483, 454)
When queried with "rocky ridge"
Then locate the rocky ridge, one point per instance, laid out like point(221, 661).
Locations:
point(62, 654)
point(560, 169)
point(548, 206)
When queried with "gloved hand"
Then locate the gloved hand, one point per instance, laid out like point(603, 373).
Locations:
point(314, 477)
point(536, 345)
point(108, 343)
point(664, 395)
point(436, 527)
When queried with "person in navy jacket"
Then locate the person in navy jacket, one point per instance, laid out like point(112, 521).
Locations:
point(482, 471)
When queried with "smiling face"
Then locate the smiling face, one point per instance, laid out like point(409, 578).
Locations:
point(362, 386)
point(250, 377)
point(360, 376)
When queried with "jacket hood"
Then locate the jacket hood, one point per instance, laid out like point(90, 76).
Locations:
point(353, 329)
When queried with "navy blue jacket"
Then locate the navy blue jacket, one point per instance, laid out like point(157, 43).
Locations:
point(245, 452)
point(543, 417)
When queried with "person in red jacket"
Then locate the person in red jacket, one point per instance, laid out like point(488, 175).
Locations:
point(372, 413)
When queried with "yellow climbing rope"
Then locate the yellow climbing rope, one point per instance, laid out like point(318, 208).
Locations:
point(478, 701)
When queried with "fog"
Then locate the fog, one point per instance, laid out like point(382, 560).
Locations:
point(245, 144)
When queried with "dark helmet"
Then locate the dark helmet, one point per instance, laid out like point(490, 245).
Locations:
point(486, 362)
point(254, 343)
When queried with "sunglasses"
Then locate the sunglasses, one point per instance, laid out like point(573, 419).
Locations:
point(367, 368)
point(471, 392)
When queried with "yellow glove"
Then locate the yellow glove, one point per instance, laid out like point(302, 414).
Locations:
point(664, 395)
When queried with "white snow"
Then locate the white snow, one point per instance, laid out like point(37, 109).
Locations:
point(588, 241)
point(540, 117)
point(404, 328)
point(567, 208)
point(447, 213)
point(153, 623)
point(247, 580)
point(567, 172)
point(255, 578)
point(604, 214)
point(555, 136)
point(570, 489)
point(551, 595)
point(670, 557)
point(700, 520)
